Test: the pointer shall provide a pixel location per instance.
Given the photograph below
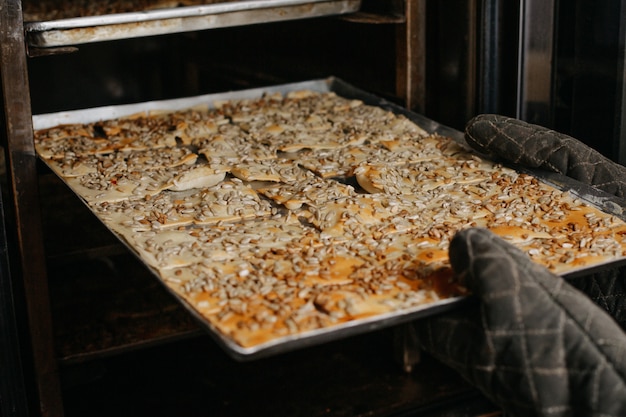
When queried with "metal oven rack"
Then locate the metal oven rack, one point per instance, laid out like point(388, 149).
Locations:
point(26, 273)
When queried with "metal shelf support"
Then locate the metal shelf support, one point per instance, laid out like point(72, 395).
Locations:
point(28, 256)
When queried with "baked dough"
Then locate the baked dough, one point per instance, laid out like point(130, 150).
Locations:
point(281, 215)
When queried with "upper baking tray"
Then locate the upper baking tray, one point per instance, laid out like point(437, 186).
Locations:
point(597, 198)
point(89, 29)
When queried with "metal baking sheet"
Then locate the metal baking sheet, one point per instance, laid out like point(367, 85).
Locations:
point(75, 31)
point(601, 200)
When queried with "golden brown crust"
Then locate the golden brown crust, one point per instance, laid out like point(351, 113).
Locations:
point(353, 222)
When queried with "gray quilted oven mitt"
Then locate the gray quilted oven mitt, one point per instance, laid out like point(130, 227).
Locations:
point(531, 342)
point(534, 146)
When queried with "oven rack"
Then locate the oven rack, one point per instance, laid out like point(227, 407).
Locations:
point(89, 29)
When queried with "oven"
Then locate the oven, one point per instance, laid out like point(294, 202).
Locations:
point(87, 328)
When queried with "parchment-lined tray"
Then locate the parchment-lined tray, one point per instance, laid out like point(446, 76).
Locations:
point(360, 325)
point(80, 30)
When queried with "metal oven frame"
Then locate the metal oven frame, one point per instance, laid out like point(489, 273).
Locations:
point(24, 277)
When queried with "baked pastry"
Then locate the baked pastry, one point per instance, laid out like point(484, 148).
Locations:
point(282, 215)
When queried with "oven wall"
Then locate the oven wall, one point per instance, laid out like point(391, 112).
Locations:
point(556, 63)
point(589, 73)
point(577, 85)
point(216, 60)
point(472, 59)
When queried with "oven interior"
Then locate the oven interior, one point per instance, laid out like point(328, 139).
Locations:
point(122, 344)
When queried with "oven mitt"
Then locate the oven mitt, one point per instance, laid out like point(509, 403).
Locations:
point(528, 340)
point(534, 146)
point(537, 147)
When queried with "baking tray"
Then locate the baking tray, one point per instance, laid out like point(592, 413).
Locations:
point(603, 201)
point(81, 30)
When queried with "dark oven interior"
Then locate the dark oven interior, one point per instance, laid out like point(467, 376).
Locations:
point(119, 343)
point(116, 341)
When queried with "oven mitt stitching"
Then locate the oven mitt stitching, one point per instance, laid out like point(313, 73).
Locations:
point(538, 147)
point(607, 289)
point(534, 146)
point(540, 348)
point(533, 344)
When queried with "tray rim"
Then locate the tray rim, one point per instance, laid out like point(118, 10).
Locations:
point(168, 13)
point(599, 199)
point(93, 29)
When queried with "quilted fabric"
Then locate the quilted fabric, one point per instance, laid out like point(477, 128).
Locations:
point(532, 343)
point(607, 289)
point(537, 147)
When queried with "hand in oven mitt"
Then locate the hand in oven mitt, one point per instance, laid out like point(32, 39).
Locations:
point(531, 342)
point(537, 147)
